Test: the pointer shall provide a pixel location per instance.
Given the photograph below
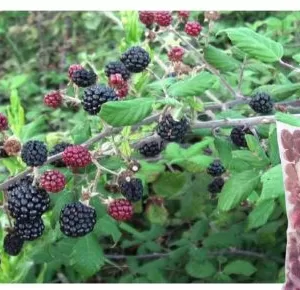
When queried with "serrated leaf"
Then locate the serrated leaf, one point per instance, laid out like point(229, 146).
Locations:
point(126, 113)
point(261, 213)
point(250, 158)
point(224, 149)
point(192, 86)
point(240, 267)
point(222, 240)
point(200, 269)
point(255, 44)
point(81, 132)
point(157, 214)
point(108, 226)
point(288, 119)
point(255, 147)
point(219, 59)
point(237, 188)
point(150, 171)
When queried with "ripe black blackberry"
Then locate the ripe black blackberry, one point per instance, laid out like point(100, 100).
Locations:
point(95, 96)
point(84, 78)
point(13, 244)
point(237, 135)
point(171, 130)
point(77, 219)
point(215, 168)
point(216, 185)
point(59, 148)
point(34, 153)
point(262, 103)
point(135, 59)
point(29, 230)
point(117, 67)
point(151, 149)
point(131, 188)
point(27, 201)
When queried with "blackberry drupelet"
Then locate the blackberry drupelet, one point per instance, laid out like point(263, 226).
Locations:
point(84, 78)
point(215, 168)
point(13, 244)
point(237, 135)
point(131, 188)
point(262, 103)
point(95, 96)
point(29, 230)
point(77, 219)
point(59, 148)
point(171, 130)
point(34, 153)
point(216, 185)
point(27, 201)
point(117, 67)
point(151, 149)
point(135, 59)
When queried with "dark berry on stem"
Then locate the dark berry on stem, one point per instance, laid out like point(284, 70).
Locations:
point(261, 103)
point(84, 78)
point(151, 149)
point(117, 67)
point(215, 168)
point(216, 185)
point(34, 153)
point(12, 244)
point(131, 188)
point(59, 148)
point(135, 59)
point(237, 135)
point(73, 68)
point(29, 230)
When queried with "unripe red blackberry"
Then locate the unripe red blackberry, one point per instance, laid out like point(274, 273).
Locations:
point(120, 209)
point(3, 122)
point(53, 181)
point(171, 130)
point(84, 78)
point(131, 188)
point(176, 53)
point(77, 219)
point(34, 153)
point(262, 103)
point(73, 68)
point(53, 99)
point(117, 67)
point(184, 14)
point(76, 156)
point(12, 146)
point(193, 28)
point(163, 18)
point(59, 148)
point(238, 137)
point(116, 81)
point(122, 91)
point(216, 185)
point(29, 230)
point(135, 59)
point(215, 168)
point(146, 17)
point(12, 244)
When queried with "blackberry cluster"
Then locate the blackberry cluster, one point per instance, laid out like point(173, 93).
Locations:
point(172, 130)
point(84, 78)
point(95, 96)
point(262, 103)
point(13, 244)
point(117, 67)
point(135, 59)
point(216, 185)
point(132, 189)
point(77, 219)
point(59, 148)
point(237, 135)
point(34, 153)
point(215, 168)
point(151, 149)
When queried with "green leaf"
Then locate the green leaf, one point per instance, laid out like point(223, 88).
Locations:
point(192, 86)
point(240, 267)
point(288, 119)
point(261, 213)
point(106, 225)
point(88, 256)
point(272, 181)
point(81, 132)
point(150, 171)
point(219, 59)
point(237, 188)
point(126, 113)
point(200, 269)
point(133, 31)
point(222, 240)
point(252, 160)
point(279, 92)
point(255, 147)
point(273, 150)
point(224, 149)
point(157, 214)
point(255, 44)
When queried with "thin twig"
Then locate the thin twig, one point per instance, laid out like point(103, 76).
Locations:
point(285, 64)
point(243, 66)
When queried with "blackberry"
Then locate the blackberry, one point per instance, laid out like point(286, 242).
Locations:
point(151, 149)
point(216, 185)
point(29, 230)
point(146, 17)
point(34, 153)
point(77, 156)
point(53, 181)
point(84, 78)
point(193, 28)
point(12, 146)
point(262, 103)
point(163, 18)
point(59, 148)
point(77, 219)
point(132, 188)
point(215, 168)
point(135, 59)
point(95, 96)
point(120, 209)
point(237, 135)
point(172, 130)
point(176, 53)
point(27, 201)
point(13, 244)
point(117, 67)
